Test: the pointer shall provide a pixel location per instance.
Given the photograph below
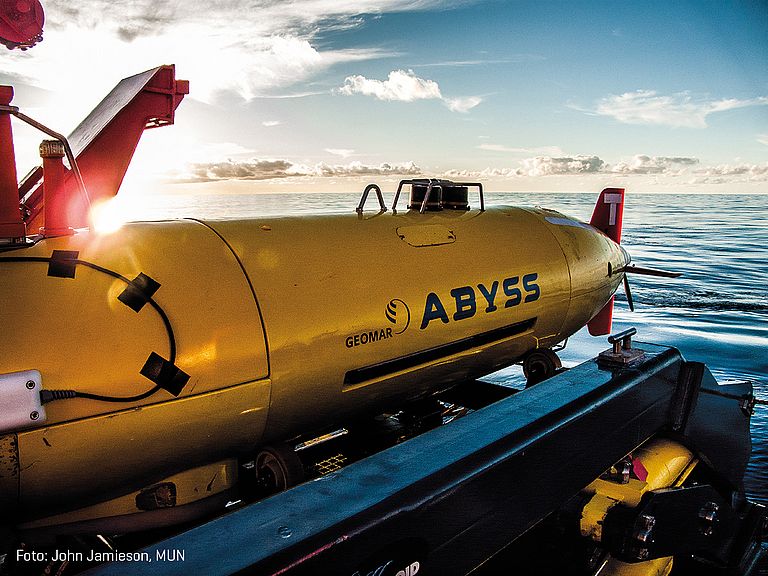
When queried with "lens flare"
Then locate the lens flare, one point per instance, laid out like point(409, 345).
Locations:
point(108, 216)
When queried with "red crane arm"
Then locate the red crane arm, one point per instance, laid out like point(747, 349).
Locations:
point(105, 141)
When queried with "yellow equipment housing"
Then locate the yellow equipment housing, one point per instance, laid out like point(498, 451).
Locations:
point(667, 464)
point(285, 326)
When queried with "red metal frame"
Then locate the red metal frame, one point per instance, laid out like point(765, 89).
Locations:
point(103, 145)
point(12, 226)
point(56, 202)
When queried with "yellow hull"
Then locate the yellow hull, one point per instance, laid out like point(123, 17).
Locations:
point(284, 325)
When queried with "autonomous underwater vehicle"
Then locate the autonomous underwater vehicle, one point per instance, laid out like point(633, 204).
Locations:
point(154, 375)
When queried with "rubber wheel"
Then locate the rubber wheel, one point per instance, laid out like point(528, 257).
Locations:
point(278, 468)
point(540, 364)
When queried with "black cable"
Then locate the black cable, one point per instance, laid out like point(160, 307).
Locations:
point(51, 395)
point(136, 398)
point(26, 259)
point(150, 301)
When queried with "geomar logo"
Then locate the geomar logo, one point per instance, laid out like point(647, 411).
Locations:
point(399, 314)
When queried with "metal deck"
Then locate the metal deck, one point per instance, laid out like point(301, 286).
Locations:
point(446, 501)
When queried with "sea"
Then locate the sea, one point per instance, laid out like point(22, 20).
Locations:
point(716, 312)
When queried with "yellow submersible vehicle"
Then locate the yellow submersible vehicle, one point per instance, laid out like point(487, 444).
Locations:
point(171, 376)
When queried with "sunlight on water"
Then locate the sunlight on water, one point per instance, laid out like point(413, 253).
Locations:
point(716, 313)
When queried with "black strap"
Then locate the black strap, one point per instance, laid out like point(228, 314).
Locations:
point(165, 374)
point(62, 263)
point(138, 292)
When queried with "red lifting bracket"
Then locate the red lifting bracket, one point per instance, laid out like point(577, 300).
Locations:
point(103, 145)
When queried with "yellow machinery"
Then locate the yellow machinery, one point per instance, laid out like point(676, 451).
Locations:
point(662, 464)
point(284, 326)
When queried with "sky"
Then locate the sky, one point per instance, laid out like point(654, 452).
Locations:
point(321, 95)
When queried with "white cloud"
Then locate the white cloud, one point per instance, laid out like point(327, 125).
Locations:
point(343, 152)
point(252, 50)
point(732, 173)
point(541, 150)
point(548, 166)
point(258, 66)
point(677, 110)
point(400, 85)
point(257, 169)
point(539, 166)
point(151, 17)
point(514, 59)
point(462, 104)
point(647, 170)
point(231, 168)
point(486, 173)
point(763, 139)
point(642, 164)
point(497, 148)
point(359, 169)
point(271, 123)
point(405, 86)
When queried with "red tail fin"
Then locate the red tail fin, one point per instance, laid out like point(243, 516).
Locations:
point(608, 213)
point(607, 218)
point(601, 323)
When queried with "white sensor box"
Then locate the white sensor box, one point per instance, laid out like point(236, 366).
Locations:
point(20, 405)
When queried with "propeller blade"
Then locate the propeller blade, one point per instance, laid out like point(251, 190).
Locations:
point(649, 272)
point(628, 292)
